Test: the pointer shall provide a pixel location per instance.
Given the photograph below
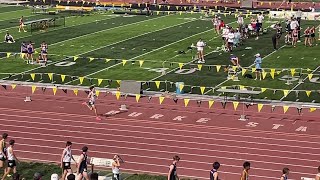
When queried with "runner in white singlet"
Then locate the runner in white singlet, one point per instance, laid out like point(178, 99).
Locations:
point(66, 160)
point(12, 159)
point(92, 100)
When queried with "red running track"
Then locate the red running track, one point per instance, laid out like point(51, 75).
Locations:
point(149, 134)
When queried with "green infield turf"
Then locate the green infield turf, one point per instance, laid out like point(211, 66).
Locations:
point(103, 49)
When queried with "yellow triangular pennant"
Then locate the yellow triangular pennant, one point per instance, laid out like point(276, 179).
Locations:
point(272, 71)
point(218, 68)
point(138, 97)
point(260, 107)
point(157, 84)
point(13, 86)
point(33, 76)
point(253, 69)
point(140, 63)
point(75, 91)
point(33, 89)
point(308, 93)
point(199, 67)
point(97, 93)
point(235, 105)
point(285, 109)
point(81, 79)
point(99, 81)
point(107, 60)
point(91, 59)
point(8, 55)
point(310, 76)
point(278, 72)
point(312, 109)
point(62, 77)
point(202, 89)
point(210, 103)
point(161, 98)
point(263, 89)
point(119, 81)
point(241, 87)
point(22, 55)
point(75, 58)
point(186, 102)
point(243, 71)
point(293, 71)
point(54, 90)
point(50, 75)
point(124, 62)
point(118, 93)
point(181, 87)
point(264, 74)
point(180, 65)
point(285, 93)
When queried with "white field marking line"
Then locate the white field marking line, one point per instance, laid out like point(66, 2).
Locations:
point(14, 11)
point(51, 30)
point(161, 134)
point(153, 150)
point(139, 55)
point(297, 85)
point(250, 66)
point(93, 49)
point(56, 29)
point(135, 141)
point(169, 123)
point(191, 60)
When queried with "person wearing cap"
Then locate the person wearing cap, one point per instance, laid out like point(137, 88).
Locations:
point(257, 63)
point(66, 158)
point(115, 167)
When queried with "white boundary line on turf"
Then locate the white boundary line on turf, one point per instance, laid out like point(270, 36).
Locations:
point(297, 85)
point(191, 60)
point(143, 53)
point(54, 62)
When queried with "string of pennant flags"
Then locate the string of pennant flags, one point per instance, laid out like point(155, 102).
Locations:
point(159, 83)
point(186, 101)
point(244, 70)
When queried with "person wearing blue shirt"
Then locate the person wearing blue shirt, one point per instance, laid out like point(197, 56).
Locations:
point(257, 63)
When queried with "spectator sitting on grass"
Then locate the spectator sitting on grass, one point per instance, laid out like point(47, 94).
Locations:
point(8, 38)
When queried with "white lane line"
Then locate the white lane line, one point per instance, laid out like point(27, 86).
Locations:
point(91, 50)
point(136, 56)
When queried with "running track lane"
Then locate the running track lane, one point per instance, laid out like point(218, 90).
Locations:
point(41, 128)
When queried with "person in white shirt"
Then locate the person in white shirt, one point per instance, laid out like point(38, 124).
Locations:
point(240, 22)
point(216, 24)
point(293, 24)
point(259, 27)
point(230, 40)
point(200, 48)
point(225, 32)
point(116, 167)
point(12, 159)
point(8, 38)
point(66, 160)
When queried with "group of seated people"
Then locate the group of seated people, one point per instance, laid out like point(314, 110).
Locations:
point(27, 50)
